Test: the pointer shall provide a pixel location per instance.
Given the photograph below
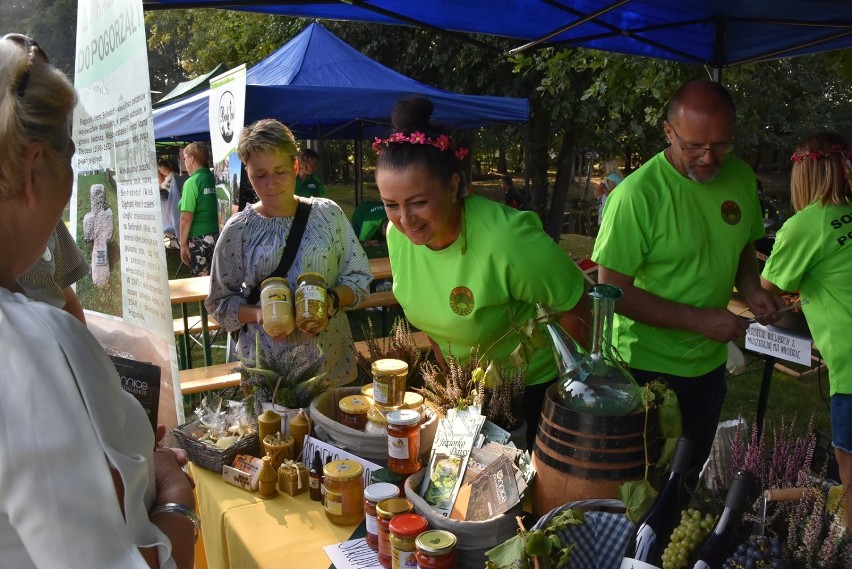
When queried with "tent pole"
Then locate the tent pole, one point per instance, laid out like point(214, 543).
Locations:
point(359, 163)
point(527, 158)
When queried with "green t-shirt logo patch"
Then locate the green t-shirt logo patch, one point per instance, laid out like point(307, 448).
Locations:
point(731, 213)
point(461, 300)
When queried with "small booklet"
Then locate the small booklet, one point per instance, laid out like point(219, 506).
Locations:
point(491, 493)
point(454, 440)
point(142, 381)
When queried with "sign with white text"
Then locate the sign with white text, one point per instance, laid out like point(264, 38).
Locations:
point(782, 344)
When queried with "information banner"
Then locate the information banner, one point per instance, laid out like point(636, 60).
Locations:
point(227, 115)
point(115, 211)
point(778, 342)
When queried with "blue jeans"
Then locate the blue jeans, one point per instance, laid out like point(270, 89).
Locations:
point(841, 421)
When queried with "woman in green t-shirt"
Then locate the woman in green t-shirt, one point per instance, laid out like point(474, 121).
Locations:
point(812, 254)
point(465, 268)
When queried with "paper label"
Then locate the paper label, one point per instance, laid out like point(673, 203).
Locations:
point(372, 525)
point(380, 392)
point(404, 559)
point(780, 343)
point(398, 447)
point(628, 563)
point(334, 503)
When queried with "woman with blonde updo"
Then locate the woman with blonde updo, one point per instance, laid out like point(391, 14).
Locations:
point(85, 483)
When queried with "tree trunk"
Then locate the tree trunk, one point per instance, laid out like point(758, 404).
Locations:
point(564, 175)
point(539, 135)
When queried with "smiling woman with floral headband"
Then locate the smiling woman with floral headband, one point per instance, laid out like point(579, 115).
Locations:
point(465, 267)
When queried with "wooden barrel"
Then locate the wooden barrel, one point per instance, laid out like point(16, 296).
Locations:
point(579, 456)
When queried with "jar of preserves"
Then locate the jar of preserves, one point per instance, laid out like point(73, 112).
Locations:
point(276, 305)
point(414, 401)
point(344, 491)
point(377, 422)
point(404, 441)
point(367, 390)
point(404, 529)
point(436, 549)
point(373, 494)
point(389, 382)
point(352, 411)
point(386, 510)
point(310, 303)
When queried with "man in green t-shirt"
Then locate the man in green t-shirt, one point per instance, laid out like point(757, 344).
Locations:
point(199, 213)
point(677, 237)
point(308, 185)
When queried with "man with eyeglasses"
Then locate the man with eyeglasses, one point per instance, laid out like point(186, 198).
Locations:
point(676, 238)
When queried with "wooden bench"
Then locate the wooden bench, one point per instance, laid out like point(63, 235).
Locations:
point(195, 326)
point(220, 376)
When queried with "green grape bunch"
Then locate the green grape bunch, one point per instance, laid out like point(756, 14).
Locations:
point(686, 537)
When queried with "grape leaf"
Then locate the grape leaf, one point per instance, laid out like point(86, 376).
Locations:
point(637, 495)
point(507, 554)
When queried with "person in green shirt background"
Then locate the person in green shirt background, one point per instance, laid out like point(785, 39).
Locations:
point(308, 185)
point(199, 217)
point(812, 254)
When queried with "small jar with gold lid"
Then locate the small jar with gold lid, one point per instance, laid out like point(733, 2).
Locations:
point(436, 549)
point(413, 401)
point(377, 422)
point(344, 491)
point(389, 382)
point(352, 411)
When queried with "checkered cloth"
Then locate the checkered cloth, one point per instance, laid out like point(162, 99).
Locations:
point(601, 540)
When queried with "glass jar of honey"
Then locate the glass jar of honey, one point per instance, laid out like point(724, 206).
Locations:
point(276, 305)
point(377, 422)
point(413, 400)
point(344, 491)
point(389, 382)
point(386, 510)
point(404, 529)
point(373, 494)
point(404, 441)
point(352, 411)
point(436, 549)
point(310, 303)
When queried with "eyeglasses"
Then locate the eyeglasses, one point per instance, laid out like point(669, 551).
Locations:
point(32, 49)
point(721, 149)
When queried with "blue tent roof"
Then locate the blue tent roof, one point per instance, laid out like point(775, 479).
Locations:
point(717, 33)
point(323, 88)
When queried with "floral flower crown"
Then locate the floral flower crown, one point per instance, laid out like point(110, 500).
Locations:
point(817, 154)
point(441, 142)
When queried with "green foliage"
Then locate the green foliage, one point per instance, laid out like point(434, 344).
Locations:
point(541, 548)
point(637, 495)
point(292, 377)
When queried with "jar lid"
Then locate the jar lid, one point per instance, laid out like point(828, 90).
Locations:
point(403, 417)
point(354, 405)
point(408, 525)
point(343, 469)
point(435, 542)
point(393, 507)
point(278, 439)
point(367, 390)
point(310, 275)
point(376, 416)
point(379, 491)
point(412, 400)
point(282, 280)
point(389, 366)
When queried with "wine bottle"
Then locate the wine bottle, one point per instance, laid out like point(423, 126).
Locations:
point(657, 524)
point(720, 544)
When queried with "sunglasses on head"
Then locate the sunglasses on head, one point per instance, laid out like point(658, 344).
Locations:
point(32, 49)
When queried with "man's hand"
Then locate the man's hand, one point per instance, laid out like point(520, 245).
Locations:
point(721, 325)
point(761, 301)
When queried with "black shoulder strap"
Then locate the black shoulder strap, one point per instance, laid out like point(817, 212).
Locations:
point(294, 238)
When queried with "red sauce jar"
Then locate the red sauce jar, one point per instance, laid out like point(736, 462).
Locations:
point(404, 441)
point(436, 549)
point(373, 494)
point(386, 510)
point(352, 411)
point(404, 529)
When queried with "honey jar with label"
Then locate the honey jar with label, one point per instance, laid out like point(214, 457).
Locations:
point(344, 491)
point(310, 303)
point(389, 382)
point(404, 441)
point(352, 411)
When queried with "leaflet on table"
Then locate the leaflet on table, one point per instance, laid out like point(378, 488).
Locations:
point(352, 554)
point(454, 440)
point(491, 493)
point(326, 450)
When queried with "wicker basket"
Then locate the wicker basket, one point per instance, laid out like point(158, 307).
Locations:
point(210, 457)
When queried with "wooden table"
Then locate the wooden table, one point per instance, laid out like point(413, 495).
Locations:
point(381, 268)
point(241, 530)
point(182, 292)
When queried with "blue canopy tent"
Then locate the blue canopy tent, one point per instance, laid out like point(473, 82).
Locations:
point(715, 33)
point(323, 88)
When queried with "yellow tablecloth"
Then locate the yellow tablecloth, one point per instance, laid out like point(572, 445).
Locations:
point(241, 530)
